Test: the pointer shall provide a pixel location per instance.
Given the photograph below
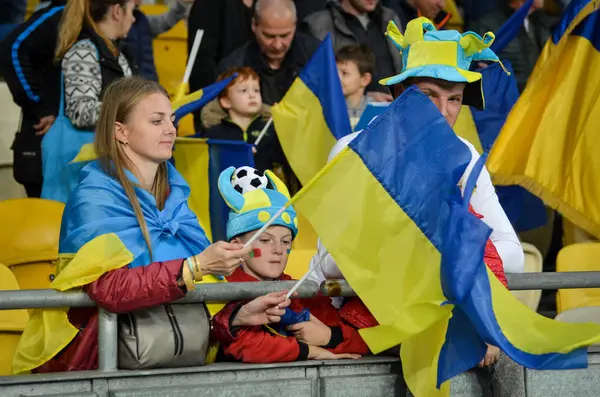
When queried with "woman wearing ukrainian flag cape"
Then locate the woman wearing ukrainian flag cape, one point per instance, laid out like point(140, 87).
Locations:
point(128, 237)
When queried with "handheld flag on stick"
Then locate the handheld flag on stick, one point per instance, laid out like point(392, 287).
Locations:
point(196, 100)
point(184, 86)
point(548, 143)
point(312, 115)
point(389, 211)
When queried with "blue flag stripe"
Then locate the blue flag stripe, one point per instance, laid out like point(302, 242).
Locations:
point(418, 169)
point(320, 75)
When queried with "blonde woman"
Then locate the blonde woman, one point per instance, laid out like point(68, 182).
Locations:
point(90, 56)
point(129, 239)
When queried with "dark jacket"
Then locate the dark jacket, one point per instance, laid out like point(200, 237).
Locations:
point(524, 50)
point(273, 83)
point(258, 345)
point(27, 63)
point(217, 19)
point(139, 43)
point(333, 20)
point(33, 78)
point(269, 153)
point(306, 7)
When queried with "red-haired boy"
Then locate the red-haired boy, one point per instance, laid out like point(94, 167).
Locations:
point(242, 102)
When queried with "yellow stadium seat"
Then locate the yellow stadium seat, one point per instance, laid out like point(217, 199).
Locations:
point(578, 258)
point(574, 235)
point(305, 246)
point(533, 264)
point(30, 239)
point(12, 323)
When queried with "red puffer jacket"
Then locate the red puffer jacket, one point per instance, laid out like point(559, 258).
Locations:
point(258, 345)
point(118, 291)
point(356, 313)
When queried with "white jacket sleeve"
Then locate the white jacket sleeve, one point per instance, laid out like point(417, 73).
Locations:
point(485, 202)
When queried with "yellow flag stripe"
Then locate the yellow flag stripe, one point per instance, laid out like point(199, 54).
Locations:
point(362, 234)
point(302, 131)
point(192, 158)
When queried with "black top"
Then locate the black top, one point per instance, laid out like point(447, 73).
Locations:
point(274, 82)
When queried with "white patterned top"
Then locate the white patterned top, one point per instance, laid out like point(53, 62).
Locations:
point(83, 83)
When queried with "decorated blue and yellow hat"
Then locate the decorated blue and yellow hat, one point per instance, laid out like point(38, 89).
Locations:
point(254, 198)
point(441, 54)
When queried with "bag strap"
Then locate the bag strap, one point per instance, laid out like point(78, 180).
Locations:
point(61, 106)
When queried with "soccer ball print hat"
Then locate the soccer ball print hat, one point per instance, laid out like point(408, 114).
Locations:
point(253, 202)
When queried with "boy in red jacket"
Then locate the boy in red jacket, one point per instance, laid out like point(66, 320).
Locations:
point(311, 328)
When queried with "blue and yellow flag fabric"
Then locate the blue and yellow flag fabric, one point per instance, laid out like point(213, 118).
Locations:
point(184, 105)
point(200, 162)
point(100, 233)
point(60, 147)
point(481, 128)
point(389, 211)
point(66, 150)
point(312, 115)
point(549, 142)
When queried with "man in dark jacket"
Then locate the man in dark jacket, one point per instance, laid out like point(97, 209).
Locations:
point(277, 52)
point(360, 22)
point(524, 50)
point(27, 65)
point(146, 28)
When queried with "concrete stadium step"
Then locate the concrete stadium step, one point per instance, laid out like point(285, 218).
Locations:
point(366, 377)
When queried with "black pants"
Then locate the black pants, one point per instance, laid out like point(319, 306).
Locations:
point(33, 190)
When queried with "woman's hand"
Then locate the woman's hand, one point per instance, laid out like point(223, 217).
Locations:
point(491, 356)
point(220, 259)
point(265, 309)
point(312, 332)
point(318, 353)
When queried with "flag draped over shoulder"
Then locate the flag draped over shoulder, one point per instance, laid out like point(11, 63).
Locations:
point(389, 211)
point(100, 233)
point(549, 142)
point(481, 128)
point(312, 115)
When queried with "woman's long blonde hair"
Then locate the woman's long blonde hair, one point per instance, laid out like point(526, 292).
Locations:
point(74, 15)
point(120, 98)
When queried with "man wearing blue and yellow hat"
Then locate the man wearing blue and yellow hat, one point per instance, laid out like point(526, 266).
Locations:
point(439, 64)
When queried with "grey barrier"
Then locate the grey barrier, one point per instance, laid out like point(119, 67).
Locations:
point(107, 322)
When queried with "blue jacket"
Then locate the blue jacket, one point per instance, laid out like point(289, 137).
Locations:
point(139, 43)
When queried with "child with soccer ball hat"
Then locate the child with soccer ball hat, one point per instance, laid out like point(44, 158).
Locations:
point(311, 328)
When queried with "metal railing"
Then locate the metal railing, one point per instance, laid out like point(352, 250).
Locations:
point(107, 321)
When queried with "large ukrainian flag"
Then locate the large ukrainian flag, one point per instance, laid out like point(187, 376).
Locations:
point(389, 211)
point(549, 144)
point(312, 115)
point(481, 128)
